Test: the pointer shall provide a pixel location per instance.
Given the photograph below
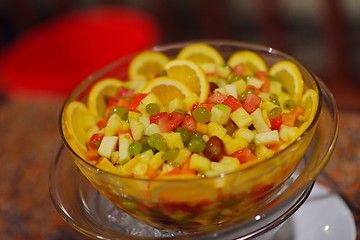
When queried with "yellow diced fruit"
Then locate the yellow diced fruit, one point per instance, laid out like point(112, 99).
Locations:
point(215, 129)
point(190, 101)
point(220, 114)
point(177, 104)
point(253, 81)
point(136, 127)
point(181, 157)
point(240, 86)
point(233, 144)
point(259, 122)
point(114, 125)
point(241, 118)
point(222, 167)
point(231, 161)
point(104, 164)
point(271, 137)
point(126, 169)
point(173, 140)
point(287, 133)
point(114, 158)
point(201, 127)
point(231, 90)
point(145, 156)
point(199, 163)
point(268, 105)
point(265, 116)
point(167, 168)
point(244, 133)
point(140, 169)
point(124, 142)
point(107, 146)
point(262, 152)
point(150, 98)
point(223, 70)
point(157, 161)
point(151, 129)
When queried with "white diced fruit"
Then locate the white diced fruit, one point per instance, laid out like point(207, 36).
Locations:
point(173, 140)
point(271, 137)
point(255, 82)
point(259, 122)
point(220, 114)
point(231, 89)
point(107, 146)
point(124, 142)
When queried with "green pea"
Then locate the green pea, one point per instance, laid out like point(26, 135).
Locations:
point(234, 78)
point(121, 111)
point(245, 93)
point(290, 104)
point(135, 148)
point(152, 109)
point(184, 133)
point(170, 154)
point(201, 114)
point(157, 141)
point(197, 144)
point(275, 112)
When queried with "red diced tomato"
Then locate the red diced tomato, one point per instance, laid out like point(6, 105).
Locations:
point(189, 123)
point(101, 124)
point(232, 102)
point(205, 105)
point(216, 98)
point(276, 123)
point(260, 74)
point(244, 155)
point(155, 118)
point(252, 102)
point(135, 101)
point(239, 69)
point(95, 140)
point(112, 102)
point(170, 121)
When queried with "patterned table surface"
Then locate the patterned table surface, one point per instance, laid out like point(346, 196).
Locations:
point(29, 143)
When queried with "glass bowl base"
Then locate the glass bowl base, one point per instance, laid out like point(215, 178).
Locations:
point(93, 215)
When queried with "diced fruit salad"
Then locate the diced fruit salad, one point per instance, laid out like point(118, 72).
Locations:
point(249, 115)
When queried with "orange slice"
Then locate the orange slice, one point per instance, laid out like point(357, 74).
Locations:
point(147, 65)
point(189, 74)
point(251, 61)
point(167, 89)
point(99, 93)
point(290, 77)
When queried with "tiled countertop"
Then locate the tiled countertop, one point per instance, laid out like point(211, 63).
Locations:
point(29, 142)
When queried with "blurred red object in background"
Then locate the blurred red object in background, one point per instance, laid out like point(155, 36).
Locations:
point(53, 58)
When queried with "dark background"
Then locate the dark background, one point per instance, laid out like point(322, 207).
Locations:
point(324, 34)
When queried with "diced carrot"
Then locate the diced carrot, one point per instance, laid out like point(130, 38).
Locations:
point(288, 119)
point(151, 173)
point(298, 111)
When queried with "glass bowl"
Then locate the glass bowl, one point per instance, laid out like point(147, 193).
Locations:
point(210, 205)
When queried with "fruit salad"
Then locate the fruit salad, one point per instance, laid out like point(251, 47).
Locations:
point(197, 115)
